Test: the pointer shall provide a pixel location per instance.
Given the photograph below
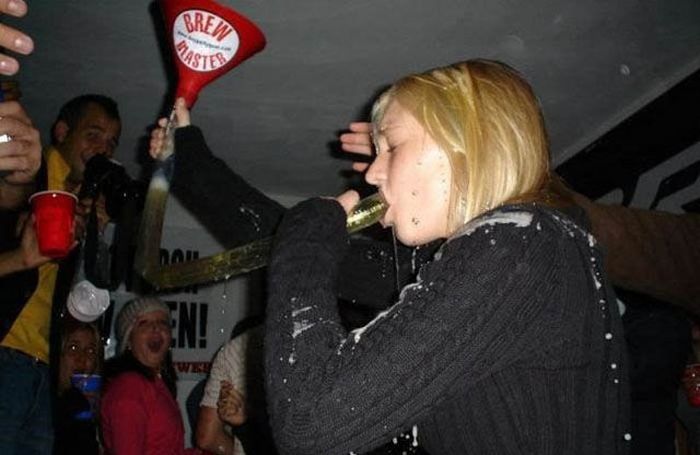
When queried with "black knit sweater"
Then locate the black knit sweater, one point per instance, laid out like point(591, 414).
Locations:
point(509, 342)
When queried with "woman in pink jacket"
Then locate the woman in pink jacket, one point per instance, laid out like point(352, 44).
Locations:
point(139, 413)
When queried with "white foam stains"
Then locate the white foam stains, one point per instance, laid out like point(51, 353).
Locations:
point(519, 219)
point(295, 313)
point(591, 241)
point(252, 214)
point(300, 327)
point(357, 333)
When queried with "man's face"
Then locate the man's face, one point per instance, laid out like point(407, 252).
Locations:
point(95, 133)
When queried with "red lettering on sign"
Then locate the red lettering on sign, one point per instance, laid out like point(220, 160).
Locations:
point(208, 24)
point(192, 367)
point(181, 47)
point(188, 23)
point(221, 31)
point(198, 19)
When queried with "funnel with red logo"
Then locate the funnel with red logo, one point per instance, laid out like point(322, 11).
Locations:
point(208, 40)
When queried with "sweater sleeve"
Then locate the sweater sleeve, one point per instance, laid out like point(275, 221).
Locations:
point(213, 192)
point(473, 311)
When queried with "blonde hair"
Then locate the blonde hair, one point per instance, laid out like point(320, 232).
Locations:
point(486, 118)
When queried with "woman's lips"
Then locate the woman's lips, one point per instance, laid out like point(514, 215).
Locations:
point(155, 345)
point(383, 220)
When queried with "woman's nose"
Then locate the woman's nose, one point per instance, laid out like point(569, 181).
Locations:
point(376, 174)
point(81, 362)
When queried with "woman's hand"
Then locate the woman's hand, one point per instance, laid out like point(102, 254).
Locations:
point(348, 200)
point(231, 405)
point(182, 118)
point(359, 141)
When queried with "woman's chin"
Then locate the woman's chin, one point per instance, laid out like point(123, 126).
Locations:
point(407, 238)
point(413, 236)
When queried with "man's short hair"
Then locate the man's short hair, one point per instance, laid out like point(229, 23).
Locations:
point(74, 110)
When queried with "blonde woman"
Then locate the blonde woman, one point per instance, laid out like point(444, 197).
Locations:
point(509, 341)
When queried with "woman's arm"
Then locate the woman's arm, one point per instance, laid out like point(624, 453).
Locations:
point(229, 207)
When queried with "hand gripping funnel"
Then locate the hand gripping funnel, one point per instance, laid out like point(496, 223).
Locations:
point(207, 41)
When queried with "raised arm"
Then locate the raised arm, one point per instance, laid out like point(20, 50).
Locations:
point(231, 209)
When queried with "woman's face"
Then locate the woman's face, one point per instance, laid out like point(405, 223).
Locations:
point(79, 355)
point(150, 339)
point(413, 176)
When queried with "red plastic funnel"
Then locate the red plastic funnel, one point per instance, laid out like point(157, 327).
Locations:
point(208, 40)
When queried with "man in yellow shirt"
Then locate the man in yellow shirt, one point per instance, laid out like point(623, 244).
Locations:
point(33, 287)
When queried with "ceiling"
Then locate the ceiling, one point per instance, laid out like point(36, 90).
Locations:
point(276, 117)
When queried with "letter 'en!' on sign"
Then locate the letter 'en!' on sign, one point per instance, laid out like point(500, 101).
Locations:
point(204, 41)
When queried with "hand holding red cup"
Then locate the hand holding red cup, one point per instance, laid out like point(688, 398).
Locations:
point(54, 214)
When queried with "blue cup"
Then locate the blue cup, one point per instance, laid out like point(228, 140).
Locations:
point(89, 385)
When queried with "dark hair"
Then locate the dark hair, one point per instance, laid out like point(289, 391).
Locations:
point(74, 110)
point(126, 362)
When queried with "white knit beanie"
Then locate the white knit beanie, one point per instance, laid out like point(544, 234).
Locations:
point(130, 312)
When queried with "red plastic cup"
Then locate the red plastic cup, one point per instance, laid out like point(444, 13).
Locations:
point(54, 212)
point(691, 383)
